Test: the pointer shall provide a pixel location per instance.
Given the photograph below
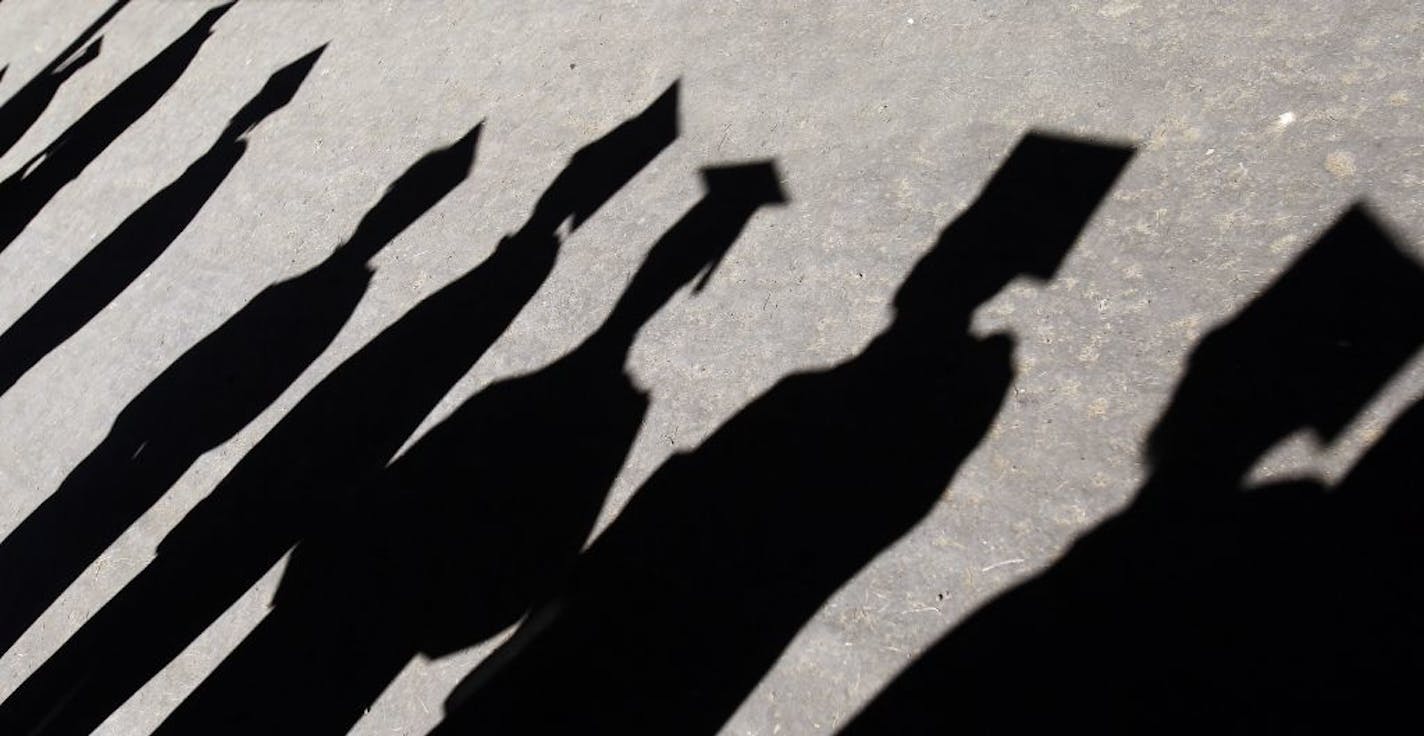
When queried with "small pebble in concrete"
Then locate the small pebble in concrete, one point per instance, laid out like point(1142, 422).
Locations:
point(1341, 164)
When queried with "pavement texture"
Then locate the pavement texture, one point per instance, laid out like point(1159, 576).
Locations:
point(1239, 133)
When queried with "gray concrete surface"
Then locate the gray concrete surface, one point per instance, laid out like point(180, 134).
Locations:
point(1257, 125)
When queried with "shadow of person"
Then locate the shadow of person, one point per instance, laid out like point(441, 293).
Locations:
point(205, 397)
point(677, 610)
point(340, 434)
point(29, 102)
point(28, 190)
point(468, 528)
point(1209, 605)
point(137, 242)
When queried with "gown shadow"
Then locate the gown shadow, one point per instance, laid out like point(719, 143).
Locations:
point(29, 102)
point(203, 398)
point(140, 239)
point(1211, 605)
point(482, 516)
point(682, 604)
point(26, 192)
point(305, 470)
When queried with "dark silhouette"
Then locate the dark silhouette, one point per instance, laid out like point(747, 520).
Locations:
point(679, 607)
point(471, 526)
point(25, 106)
point(1208, 606)
point(137, 242)
point(205, 397)
point(341, 434)
point(26, 192)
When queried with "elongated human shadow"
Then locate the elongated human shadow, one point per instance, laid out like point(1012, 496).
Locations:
point(29, 102)
point(1209, 605)
point(205, 397)
point(341, 434)
point(140, 239)
point(467, 530)
point(26, 192)
point(679, 608)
